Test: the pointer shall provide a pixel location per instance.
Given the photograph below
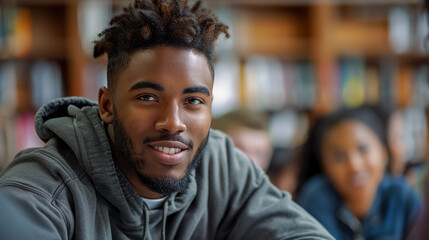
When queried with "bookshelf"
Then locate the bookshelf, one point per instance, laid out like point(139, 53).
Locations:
point(307, 43)
point(40, 59)
point(326, 33)
point(356, 52)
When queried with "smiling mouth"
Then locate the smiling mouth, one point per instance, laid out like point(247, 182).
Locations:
point(168, 150)
point(359, 180)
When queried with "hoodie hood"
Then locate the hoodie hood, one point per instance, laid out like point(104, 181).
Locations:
point(76, 121)
point(57, 108)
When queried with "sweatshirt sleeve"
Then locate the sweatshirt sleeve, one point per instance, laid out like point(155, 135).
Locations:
point(25, 215)
point(29, 185)
point(258, 210)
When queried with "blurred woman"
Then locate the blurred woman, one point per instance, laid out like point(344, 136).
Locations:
point(343, 179)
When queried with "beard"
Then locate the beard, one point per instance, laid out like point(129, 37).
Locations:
point(164, 185)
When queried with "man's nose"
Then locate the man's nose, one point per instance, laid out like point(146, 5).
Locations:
point(170, 119)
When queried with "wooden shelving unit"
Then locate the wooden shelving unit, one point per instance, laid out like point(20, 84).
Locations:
point(322, 32)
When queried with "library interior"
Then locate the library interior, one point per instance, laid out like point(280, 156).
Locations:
point(287, 63)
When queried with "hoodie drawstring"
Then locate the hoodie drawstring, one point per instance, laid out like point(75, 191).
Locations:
point(164, 219)
point(146, 220)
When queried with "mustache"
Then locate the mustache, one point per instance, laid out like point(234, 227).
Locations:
point(174, 137)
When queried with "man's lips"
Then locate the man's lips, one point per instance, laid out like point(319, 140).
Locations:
point(172, 141)
point(168, 144)
point(169, 152)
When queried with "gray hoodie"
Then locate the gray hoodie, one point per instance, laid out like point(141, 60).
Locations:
point(71, 189)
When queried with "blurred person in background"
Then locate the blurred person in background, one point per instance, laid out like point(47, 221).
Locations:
point(343, 181)
point(399, 165)
point(283, 170)
point(249, 131)
point(397, 146)
point(393, 124)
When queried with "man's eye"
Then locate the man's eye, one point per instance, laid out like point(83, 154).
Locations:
point(194, 101)
point(147, 98)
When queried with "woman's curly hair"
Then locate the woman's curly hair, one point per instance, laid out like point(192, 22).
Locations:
point(148, 23)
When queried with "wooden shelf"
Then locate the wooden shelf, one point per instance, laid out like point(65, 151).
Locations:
point(365, 38)
point(319, 31)
point(271, 32)
point(265, 3)
point(236, 2)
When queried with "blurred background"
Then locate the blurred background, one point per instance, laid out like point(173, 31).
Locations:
point(289, 60)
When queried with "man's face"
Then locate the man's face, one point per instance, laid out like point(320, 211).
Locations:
point(161, 118)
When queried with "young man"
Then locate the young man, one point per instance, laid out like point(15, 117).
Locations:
point(143, 162)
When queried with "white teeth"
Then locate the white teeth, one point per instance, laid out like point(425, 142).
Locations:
point(168, 150)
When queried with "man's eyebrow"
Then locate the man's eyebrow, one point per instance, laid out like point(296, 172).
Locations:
point(146, 85)
point(200, 89)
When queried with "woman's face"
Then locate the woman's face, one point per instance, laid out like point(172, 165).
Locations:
point(354, 159)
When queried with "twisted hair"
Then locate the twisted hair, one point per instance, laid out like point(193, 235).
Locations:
point(148, 23)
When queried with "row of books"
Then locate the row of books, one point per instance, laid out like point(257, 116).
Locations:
point(408, 30)
point(26, 86)
point(21, 28)
point(266, 83)
point(16, 36)
point(386, 82)
point(288, 129)
point(16, 133)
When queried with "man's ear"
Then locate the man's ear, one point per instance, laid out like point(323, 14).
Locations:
point(105, 105)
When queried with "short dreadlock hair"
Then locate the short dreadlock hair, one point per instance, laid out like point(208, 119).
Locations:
point(148, 23)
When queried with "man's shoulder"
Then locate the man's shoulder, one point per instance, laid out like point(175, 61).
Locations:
point(221, 148)
point(222, 163)
point(217, 136)
point(218, 144)
point(225, 163)
point(43, 170)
